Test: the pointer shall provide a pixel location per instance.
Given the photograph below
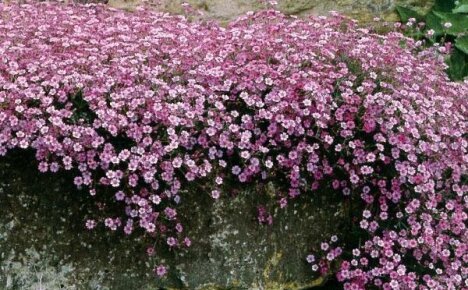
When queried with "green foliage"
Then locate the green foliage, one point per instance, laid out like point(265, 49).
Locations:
point(444, 5)
point(434, 22)
point(461, 7)
point(458, 65)
point(459, 22)
point(462, 43)
point(448, 19)
point(407, 13)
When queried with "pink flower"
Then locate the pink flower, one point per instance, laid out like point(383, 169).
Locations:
point(90, 224)
point(171, 241)
point(215, 194)
point(160, 271)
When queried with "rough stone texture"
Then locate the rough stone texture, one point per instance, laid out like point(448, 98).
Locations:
point(234, 250)
point(44, 245)
point(226, 10)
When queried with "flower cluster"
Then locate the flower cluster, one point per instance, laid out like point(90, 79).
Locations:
point(146, 104)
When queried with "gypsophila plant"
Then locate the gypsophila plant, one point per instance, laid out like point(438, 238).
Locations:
point(144, 105)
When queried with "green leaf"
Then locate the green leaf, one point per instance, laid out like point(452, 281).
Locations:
point(461, 7)
point(434, 22)
point(462, 43)
point(407, 13)
point(459, 22)
point(444, 5)
point(458, 65)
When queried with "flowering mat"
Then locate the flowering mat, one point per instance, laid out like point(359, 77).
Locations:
point(148, 113)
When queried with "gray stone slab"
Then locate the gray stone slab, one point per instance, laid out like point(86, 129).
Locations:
point(44, 245)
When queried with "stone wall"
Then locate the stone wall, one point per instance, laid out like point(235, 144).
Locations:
point(44, 244)
point(226, 10)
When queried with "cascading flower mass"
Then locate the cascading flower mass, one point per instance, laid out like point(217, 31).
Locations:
point(146, 103)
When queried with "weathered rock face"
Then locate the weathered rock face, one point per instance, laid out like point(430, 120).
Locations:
point(226, 10)
point(233, 249)
point(44, 245)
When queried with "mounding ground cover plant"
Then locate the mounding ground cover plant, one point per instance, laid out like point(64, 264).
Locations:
point(142, 105)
